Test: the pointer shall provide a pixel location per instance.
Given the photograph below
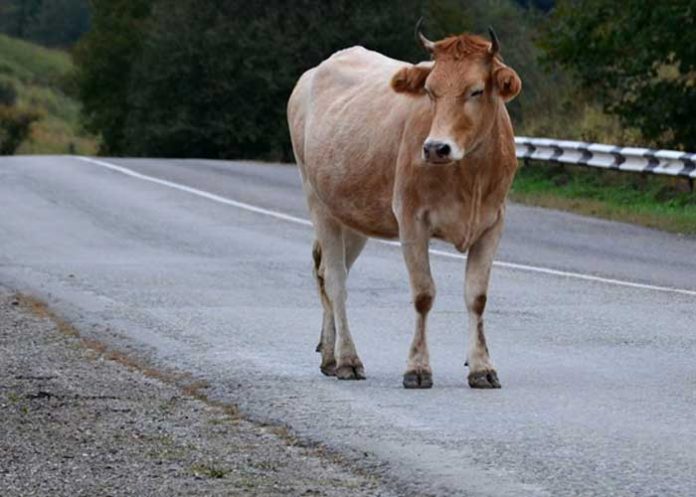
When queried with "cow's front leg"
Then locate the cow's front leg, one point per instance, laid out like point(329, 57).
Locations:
point(482, 374)
point(414, 243)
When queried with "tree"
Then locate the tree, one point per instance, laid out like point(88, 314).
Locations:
point(59, 23)
point(104, 60)
point(544, 5)
point(56, 23)
point(214, 78)
point(638, 59)
point(16, 16)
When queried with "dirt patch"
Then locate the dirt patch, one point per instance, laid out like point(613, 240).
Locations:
point(79, 419)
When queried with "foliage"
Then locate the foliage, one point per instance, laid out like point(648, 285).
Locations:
point(637, 58)
point(212, 79)
point(53, 23)
point(544, 5)
point(36, 75)
point(104, 59)
point(15, 126)
point(8, 94)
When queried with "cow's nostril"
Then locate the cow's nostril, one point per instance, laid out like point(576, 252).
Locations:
point(443, 150)
point(426, 151)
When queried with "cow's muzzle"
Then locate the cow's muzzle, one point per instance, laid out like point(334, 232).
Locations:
point(437, 152)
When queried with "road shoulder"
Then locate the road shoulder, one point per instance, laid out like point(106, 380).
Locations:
point(79, 419)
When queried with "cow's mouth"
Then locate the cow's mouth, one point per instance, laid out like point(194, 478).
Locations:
point(438, 161)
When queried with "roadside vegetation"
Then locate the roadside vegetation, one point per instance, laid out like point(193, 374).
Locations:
point(36, 114)
point(653, 201)
point(636, 58)
point(212, 79)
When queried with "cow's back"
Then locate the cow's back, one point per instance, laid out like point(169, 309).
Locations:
point(346, 124)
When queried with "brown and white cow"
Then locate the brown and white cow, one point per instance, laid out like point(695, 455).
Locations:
point(389, 149)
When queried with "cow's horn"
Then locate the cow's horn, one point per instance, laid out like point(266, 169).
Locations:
point(495, 45)
point(426, 43)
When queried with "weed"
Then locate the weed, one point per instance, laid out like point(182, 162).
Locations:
point(210, 470)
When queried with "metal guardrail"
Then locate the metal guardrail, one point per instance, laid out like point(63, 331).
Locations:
point(642, 160)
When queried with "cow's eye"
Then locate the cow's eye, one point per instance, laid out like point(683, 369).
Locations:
point(476, 93)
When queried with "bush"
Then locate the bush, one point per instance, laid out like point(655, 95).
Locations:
point(15, 127)
point(8, 94)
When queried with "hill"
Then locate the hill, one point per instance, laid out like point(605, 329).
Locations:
point(40, 76)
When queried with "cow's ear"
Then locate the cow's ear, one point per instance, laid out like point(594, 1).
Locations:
point(507, 83)
point(411, 79)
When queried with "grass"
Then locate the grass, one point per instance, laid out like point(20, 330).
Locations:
point(32, 63)
point(39, 75)
point(648, 200)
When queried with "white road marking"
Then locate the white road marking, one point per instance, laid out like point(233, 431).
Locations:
point(306, 222)
point(200, 193)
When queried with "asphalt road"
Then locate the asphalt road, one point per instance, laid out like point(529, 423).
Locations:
point(205, 267)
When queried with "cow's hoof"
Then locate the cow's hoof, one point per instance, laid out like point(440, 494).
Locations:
point(348, 372)
point(415, 379)
point(328, 368)
point(484, 379)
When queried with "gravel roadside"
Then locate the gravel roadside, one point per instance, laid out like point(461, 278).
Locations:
point(77, 419)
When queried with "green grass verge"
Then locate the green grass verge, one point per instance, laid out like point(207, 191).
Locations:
point(39, 75)
point(649, 200)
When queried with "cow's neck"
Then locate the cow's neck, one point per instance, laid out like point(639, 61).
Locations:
point(492, 163)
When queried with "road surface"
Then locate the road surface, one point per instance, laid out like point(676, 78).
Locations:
point(205, 266)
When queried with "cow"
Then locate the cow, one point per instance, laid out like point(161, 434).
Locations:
point(393, 150)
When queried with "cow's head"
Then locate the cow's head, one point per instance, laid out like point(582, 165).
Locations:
point(465, 82)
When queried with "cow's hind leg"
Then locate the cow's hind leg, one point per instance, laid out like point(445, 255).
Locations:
point(327, 337)
point(334, 242)
point(482, 374)
point(353, 244)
